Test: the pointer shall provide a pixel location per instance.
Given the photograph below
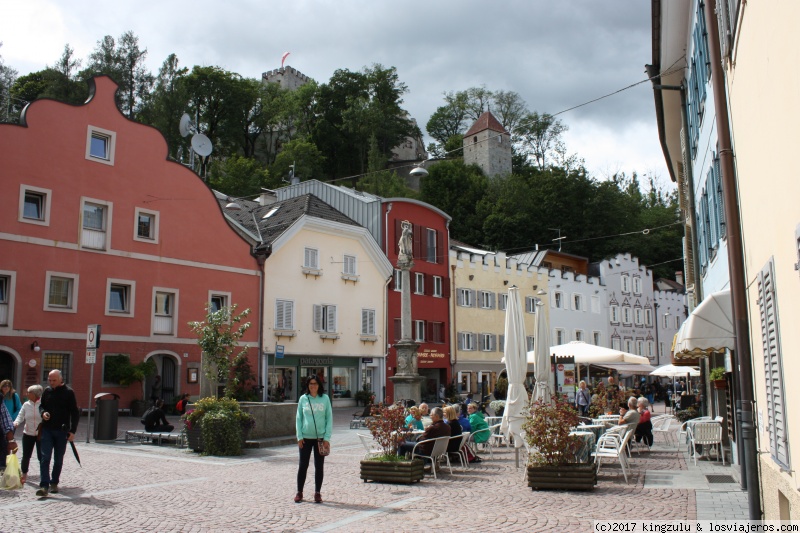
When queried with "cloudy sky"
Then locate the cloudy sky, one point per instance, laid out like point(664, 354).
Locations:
point(555, 53)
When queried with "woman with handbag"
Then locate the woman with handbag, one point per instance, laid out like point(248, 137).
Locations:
point(30, 419)
point(314, 424)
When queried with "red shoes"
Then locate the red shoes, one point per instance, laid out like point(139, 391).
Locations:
point(298, 497)
point(317, 497)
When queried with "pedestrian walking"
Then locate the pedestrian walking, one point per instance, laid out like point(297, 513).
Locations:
point(29, 418)
point(10, 398)
point(583, 399)
point(60, 415)
point(314, 424)
point(7, 427)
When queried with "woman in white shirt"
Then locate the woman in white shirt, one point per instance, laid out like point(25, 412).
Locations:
point(30, 417)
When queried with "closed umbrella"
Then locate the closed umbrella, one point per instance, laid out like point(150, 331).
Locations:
point(541, 353)
point(516, 366)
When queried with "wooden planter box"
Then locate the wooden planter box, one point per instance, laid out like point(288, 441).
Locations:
point(720, 384)
point(392, 471)
point(563, 477)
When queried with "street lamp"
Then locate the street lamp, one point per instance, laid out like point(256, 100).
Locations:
point(233, 206)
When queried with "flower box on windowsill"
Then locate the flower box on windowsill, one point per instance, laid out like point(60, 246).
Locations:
point(285, 333)
point(331, 336)
point(311, 271)
point(350, 277)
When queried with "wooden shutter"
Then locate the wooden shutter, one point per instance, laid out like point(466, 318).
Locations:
point(472, 299)
point(368, 322)
point(459, 297)
point(420, 242)
point(474, 337)
point(773, 365)
point(441, 252)
point(720, 197)
point(445, 287)
point(318, 318)
point(330, 323)
point(283, 314)
point(461, 341)
point(397, 329)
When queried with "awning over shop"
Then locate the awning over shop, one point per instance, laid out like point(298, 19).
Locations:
point(590, 354)
point(709, 329)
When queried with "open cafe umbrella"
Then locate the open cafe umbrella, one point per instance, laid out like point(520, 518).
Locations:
point(516, 366)
point(541, 351)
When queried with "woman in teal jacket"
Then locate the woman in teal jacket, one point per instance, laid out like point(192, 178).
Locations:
point(314, 424)
point(477, 423)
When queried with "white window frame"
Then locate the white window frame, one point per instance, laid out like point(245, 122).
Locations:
point(349, 265)
point(677, 322)
point(560, 336)
point(616, 343)
point(367, 322)
point(72, 305)
point(310, 258)
point(626, 315)
point(530, 304)
point(324, 318)
point(579, 335)
point(465, 297)
point(159, 318)
point(488, 342)
point(648, 317)
point(486, 299)
point(153, 227)
point(461, 375)
point(637, 285)
point(45, 194)
point(466, 341)
point(284, 314)
point(398, 280)
point(225, 296)
point(111, 144)
point(88, 233)
point(577, 302)
point(502, 301)
point(558, 300)
point(625, 283)
point(530, 342)
point(628, 345)
point(7, 303)
point(419, 283)
point(437, 286)
point(639, 347)
point(419, 331)
point(638, 316)
point(597, 338)
point(650, 348)
point(614, 314)
point(665, 320)
point(130, 285)
point(595, 305)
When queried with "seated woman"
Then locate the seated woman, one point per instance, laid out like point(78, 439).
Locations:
point(644, 429)
point(477, 423)
point(414, 419)
point(154, 419)
point(463, 420)
point(455, 429)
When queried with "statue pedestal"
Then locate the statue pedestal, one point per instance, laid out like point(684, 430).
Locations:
point(407, 383)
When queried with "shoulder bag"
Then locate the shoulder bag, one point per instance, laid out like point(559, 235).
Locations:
point(323, 446)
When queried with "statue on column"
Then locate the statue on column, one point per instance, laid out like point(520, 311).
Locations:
point(406, 244)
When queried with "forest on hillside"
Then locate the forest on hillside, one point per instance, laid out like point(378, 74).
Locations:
point(344, 130)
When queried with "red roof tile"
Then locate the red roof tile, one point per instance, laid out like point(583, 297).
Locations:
point(486, 122)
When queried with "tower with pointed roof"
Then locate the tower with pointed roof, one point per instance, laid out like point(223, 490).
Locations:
point(488, 145)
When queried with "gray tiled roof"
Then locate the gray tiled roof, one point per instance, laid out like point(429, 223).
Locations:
point(286, 212)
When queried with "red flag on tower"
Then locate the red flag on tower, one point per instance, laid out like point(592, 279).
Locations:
point(283, 58)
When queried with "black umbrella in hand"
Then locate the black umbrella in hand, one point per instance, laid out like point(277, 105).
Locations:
point(75, 453)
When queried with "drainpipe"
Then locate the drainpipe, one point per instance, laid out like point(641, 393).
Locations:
point(744, 406)
point(454, 331)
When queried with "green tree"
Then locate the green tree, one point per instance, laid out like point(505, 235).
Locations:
point(539, 136)
point(457, 189)
point(308, 161)
point(218, 336)
point(378, 180)
point(238, 176)
point(8, 76)
point(166, 104)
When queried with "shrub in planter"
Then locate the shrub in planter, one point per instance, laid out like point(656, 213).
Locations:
point(686, 414)
point(498, 406)
point(219, 415)
point(388, 428)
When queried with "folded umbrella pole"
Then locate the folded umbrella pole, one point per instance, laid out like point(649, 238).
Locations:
point(75, 453)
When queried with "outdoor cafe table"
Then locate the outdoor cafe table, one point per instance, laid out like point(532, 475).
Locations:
point(596, 429)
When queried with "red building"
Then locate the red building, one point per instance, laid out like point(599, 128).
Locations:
point(430, 291)
point(97, 226)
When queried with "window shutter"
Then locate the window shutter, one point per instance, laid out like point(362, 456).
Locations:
point(472, 297)
point(459, 297)
point(773, 363)
point(491, 300)
point(445, 287)
point(367, 322)
point(317, 318)
point(397, 329)
point(474, 339)
point(429, 331)
point(720, 198)
point(420, 242)
point(331, 318)
point(460, 341)
point(440, 251)
point(493, 343)
point(502, 344)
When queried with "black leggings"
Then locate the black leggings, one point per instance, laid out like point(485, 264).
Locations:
point(305, 458)
point(28, 442)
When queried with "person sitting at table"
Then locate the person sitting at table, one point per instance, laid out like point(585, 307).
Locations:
point(477, 423)
point(628, 415)
point(464, 421)
point(451, 416)
point(644, 429)
point(438, 428)
point(414, 419)
point(423, 411)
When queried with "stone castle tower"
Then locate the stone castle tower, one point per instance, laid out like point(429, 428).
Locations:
point(488, 145)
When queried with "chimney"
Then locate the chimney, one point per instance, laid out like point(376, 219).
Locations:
point(267, 197)
point(679, 276)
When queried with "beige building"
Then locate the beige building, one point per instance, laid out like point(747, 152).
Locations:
point(479, 294)
point(762, 80)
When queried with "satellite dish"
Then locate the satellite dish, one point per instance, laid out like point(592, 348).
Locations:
point(185, 126)
point(201, 145)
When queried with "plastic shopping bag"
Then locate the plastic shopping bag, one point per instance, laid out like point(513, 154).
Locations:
point(11, 477)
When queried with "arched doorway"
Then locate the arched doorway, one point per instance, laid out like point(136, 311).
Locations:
point(168, 387)
point(10, 368)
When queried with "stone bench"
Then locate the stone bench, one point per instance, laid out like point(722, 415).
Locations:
point(142, 436)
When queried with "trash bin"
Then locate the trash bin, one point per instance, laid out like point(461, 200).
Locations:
point(105, 416)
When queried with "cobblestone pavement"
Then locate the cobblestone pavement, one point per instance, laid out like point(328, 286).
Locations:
point(139, 487)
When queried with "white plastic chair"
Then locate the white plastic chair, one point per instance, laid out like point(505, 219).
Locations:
point(439, 450)
point(370, 445)
point(610, 446)
point(462, 441)
point(486, 445)
point(706, 434)
point(661, 426)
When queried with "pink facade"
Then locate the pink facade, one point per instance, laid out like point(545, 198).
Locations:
point(430, 291)
point(98, 227)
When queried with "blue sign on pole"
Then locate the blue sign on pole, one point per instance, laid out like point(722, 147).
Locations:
point(278, 351)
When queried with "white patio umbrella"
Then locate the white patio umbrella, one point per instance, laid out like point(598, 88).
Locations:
point(671, 371)
point(516, 366)
point(541, 357)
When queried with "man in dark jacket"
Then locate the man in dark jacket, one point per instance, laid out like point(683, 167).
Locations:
point(438, 428)
point(154, 419)
point(60, 415)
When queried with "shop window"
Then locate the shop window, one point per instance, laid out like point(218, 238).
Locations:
point(344, 382)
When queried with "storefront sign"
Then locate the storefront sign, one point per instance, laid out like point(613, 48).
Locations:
point(316, 361)
point(430, 357)
point(366, 360)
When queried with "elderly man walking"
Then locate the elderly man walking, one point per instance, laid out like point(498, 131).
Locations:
point(60, 414)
